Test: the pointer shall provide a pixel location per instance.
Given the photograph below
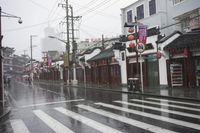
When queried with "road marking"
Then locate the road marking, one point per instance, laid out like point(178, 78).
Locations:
point(49, 103)
point(51, 122)
point(159, 109)
point(18, 126)
point(165, 104)
point(173, 101)
point(96, 125)
point(132, 122)
point(153, 116)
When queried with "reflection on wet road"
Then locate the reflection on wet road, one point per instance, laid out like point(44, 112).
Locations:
point(48, 108)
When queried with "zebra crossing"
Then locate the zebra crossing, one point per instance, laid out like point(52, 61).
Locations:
point(144, 115)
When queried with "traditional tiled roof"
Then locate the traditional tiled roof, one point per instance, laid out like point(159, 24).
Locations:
point(186, 40)
point(169, 36)
point(107, 53)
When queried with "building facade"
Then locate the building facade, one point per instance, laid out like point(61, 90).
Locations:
point(169, 16)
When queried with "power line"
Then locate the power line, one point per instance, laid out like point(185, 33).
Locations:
point(95, 7)
point(97, 12)
point(92, 2)
point(53, 9)
point(31, 26)
point(39, 5)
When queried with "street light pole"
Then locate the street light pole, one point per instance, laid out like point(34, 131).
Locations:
point(1, 53)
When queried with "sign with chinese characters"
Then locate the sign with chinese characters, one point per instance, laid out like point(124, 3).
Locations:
point(143, 33)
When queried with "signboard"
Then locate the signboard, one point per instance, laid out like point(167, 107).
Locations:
point(140, 47)
point(143, 33)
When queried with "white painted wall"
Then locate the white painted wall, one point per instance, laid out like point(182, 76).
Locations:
point(118, 57)
point(162, 60)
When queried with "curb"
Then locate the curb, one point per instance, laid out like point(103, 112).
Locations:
point(5, 114)
point(145, 94)
point(128, 92)
point(6, 110)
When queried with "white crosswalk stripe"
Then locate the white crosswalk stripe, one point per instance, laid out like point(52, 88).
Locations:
point(135, 123)
point(159, 109)
point(153, 116)
point(173, 101)
point(51, 122)
point(165, 104)
point(18, 126)
point(171, 122)
point(98, 126)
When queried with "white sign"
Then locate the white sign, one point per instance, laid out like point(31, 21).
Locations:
point(140, 47)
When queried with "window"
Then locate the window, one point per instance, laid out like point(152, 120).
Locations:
point(140, 12)
point(152, 7)
point(129, 16)
point(177, 1)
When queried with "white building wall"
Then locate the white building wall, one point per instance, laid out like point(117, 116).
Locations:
point(165, 18)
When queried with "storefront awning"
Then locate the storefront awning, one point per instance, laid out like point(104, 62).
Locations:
point(186, 40)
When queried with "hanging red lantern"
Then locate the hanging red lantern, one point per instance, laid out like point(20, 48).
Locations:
point(130, 29)
point(158, 55)
point(131, 45)
point(130, 37)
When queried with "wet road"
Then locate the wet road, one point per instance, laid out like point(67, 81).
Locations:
point(45, 108)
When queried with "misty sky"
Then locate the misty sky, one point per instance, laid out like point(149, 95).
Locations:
point(98, 17)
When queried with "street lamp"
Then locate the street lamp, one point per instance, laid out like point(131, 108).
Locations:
point(4, 14)
point(67, 50)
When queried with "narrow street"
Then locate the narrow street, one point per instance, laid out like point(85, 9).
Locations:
point(45, 108)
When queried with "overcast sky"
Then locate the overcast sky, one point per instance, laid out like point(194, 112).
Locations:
point(98, 17)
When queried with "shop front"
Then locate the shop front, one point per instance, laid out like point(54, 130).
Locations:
point(183, 65)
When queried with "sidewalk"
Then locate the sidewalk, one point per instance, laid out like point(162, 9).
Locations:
point(165, 92)
point(4, 109)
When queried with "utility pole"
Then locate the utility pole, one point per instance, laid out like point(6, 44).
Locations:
point(1, 67)
point(66, 5)
point(74, 48)
point(70, 21)
point(31, 47)
point(68, 45)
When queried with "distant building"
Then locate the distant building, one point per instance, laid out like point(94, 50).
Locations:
point(19, 63)
point(8, 60)
point(13, 64)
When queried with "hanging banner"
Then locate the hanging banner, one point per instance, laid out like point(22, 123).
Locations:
point(143, 34)
point(66, 61)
